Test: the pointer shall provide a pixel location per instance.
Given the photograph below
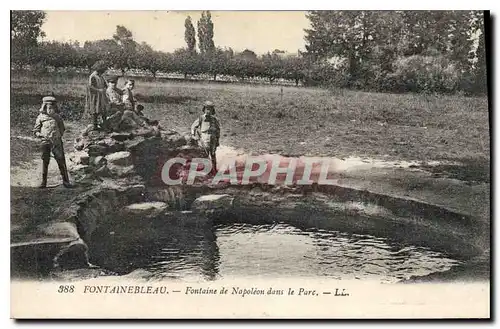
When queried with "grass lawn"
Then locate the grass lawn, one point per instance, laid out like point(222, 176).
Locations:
point(305, 121)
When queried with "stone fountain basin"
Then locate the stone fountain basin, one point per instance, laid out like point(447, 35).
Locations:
point(65, 243)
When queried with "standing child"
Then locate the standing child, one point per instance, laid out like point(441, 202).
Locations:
point(96, 101)
point(206, 129)
point(49, 128)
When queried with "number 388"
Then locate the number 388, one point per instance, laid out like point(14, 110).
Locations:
point(66, 289)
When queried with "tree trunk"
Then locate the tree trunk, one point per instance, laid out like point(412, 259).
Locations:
point(296, 82)
point(185, 76)
point(353, 68)
point(215, 76)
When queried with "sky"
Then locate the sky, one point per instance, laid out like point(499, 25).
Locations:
point(260, 31)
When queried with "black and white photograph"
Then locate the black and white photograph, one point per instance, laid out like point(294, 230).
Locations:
point(335, 162)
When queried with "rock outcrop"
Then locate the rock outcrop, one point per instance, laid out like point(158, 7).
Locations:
point(122, 155)
point(213, 202)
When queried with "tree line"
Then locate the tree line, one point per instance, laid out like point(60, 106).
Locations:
point(395, 51)
point(441, 51)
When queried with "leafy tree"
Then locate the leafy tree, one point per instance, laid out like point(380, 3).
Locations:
point(245, 65)
point(186, 62)
point(248, 54)
point(218, 62)
point(439, 33)
point(206, 33)
point(92, 51)
point(123, 58)
point(294, 68)
point(167, 63)
point(460, 38)
point(480, 68)
point(345, 34)
point(201, 32)
point(123, 36)
point(372, 41)
point(209, 33)
point(105, 49)
point(58, 54)
point(272, 66)
point(25, 31)
point(150, 60)
point(424, 31)
point(190, 35)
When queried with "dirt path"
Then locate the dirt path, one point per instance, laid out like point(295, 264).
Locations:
point(431, 182)
point(30, 205)
point(28, 174)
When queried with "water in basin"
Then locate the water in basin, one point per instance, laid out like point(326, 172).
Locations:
point(204, 251)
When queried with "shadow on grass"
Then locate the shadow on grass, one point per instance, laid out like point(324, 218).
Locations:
point(32, 206)
point(164, 99)
point(476, 170)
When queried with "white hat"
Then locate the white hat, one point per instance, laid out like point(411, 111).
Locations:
point(48, 99)
point(208, 104)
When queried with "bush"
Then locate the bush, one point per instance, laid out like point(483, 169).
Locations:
point(326, 75)
point(424, 74)
point(39, 69)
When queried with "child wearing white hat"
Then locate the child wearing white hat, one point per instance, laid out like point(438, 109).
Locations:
point(49, 128)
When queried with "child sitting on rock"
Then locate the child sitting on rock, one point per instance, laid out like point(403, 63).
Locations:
point(119, 113)
point(131, 103)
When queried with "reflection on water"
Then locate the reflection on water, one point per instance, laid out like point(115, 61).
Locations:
point(194, 250)
point(285, 251)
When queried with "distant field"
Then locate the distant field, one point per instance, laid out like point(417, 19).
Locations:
point(306, 121)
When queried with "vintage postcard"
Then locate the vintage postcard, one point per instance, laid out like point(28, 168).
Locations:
point(250, 164)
